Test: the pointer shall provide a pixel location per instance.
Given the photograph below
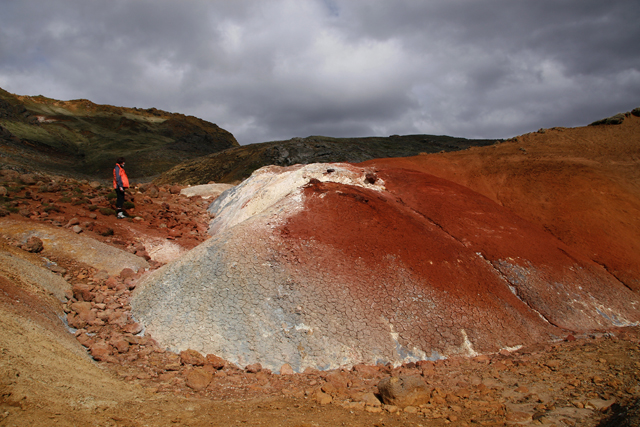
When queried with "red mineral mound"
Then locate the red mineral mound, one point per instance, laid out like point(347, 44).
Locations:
point(581, 184)
point(327, 265)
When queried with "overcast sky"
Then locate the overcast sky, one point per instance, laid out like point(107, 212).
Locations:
point(267, 70)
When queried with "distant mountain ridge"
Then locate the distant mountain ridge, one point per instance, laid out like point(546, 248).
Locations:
point(79, 137)
point(237, 163)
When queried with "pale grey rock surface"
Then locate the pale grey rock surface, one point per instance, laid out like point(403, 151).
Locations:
point(74, 246)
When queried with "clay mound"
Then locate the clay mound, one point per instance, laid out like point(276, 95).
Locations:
point(329, 265)
point(580, 184)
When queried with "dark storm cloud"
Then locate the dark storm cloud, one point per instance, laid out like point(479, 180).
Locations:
point(279, 69)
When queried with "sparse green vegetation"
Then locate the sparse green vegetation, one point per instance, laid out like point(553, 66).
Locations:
point(613, 120)
point(236, 164)
point(107, 232)
point(80, 137)
point(128, 205)
point(107, 211)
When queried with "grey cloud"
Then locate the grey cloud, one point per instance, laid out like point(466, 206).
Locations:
point(279, 69)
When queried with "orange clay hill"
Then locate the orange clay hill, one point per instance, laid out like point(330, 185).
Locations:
point(581, 184)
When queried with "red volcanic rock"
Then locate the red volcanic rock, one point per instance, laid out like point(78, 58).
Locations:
point(85, 340)
point(286, 369)
point(118, 318)
point(192, 357)
point(82, 292)
point(100, 350)
point(253, 368)
point(34, 244)
point(215, 361)
point(119, 343)
point(133, 328)
point(111, 282)
point(199, 379)
point(127, 273)
point(75, 321)
point(404, 391)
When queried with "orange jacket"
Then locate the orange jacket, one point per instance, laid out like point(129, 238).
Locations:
point(120, 178)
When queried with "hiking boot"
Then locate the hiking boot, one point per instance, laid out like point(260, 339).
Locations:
point(121, 215)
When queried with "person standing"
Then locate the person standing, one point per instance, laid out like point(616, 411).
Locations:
point(120, 182)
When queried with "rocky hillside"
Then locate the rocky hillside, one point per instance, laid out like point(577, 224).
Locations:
point(73, 353)
point(236, 164)
point(81, 138)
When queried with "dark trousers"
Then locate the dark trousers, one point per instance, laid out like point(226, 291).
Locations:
point(119, 200)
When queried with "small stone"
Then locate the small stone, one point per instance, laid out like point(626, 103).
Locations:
point(323, 398)
point(253, 368)
point(82, 292)
point(329, 388)
point(370, 399)
point(100, 350)
point(366, 371)
point(286, 369)
point(215, 361)
point(34, 245)
point(404, 391)
point(199, 378)
point(112, 283)
point(76, 229)
point(132, 328)
point(192, 357)
point(126, 273)
point(410, 409)
point(85, 340)
point(119, 343)
point(27, 179)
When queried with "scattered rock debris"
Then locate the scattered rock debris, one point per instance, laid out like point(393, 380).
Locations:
point(587, 379)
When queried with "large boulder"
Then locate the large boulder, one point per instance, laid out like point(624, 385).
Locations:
point(329, 265)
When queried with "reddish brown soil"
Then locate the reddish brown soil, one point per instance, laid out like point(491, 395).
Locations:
point(581, 184)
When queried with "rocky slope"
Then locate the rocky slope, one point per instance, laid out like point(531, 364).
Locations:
point(236, 164)
point(79, 137)
point(101, 372)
